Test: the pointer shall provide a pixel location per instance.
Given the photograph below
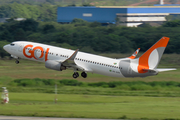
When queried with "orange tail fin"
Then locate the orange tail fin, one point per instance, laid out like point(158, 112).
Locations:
point(150, 59)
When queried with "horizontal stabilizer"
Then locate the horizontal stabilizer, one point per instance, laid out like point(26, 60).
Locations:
point(165, 69)
point(159, 70)
point(150, 70)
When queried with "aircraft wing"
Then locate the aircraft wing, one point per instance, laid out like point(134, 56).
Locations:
point(71, 64)
point(70, 61)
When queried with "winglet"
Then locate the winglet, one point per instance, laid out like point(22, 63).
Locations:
point(70, 60)
point(150, 59)
point(134, 54)
point(73, 55)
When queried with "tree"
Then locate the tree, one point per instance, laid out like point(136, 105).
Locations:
point(95, 24)
point(6, 35)
point(77, 20)
point(174, 23)
point(3, 53)
point(19, 35)
point(48, 28)
point(117, 20)
point(29, 25)
point(172, 17)
point(147, 25)
point(51, 1)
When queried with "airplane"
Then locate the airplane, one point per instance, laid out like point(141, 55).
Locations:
point(59, 59)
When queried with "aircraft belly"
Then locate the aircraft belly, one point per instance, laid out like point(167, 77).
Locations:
point(114, 72)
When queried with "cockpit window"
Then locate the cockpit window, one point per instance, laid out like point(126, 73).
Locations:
point(12, 44)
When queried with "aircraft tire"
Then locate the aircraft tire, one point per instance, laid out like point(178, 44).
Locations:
point(75, 75)
point(84, 75)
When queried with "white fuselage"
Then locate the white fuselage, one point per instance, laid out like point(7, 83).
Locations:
point(37, 52)
point(57, 58)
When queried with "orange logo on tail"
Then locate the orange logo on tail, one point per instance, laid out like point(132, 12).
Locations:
point(144, 59)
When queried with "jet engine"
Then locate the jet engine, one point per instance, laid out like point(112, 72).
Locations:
point(51, 64)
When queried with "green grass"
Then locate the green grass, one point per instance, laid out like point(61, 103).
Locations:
point(89, 102)
point(10, 71)
point(91, 106)
point(29, 69)
point(157, 92)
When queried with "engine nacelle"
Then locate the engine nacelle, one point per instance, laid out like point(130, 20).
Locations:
point(51, 64)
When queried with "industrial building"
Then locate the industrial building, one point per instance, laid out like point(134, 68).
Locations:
point(130, 16)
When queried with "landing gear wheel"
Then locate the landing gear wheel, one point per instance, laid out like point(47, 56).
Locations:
point(83, 74)
point(17, 62)
point(75, 75)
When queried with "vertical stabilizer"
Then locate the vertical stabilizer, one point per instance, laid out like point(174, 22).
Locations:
point(150, 59)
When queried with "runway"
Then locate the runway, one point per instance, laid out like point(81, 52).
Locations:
point(44, 118)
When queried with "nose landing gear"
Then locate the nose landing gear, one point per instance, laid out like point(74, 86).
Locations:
point(15, 57)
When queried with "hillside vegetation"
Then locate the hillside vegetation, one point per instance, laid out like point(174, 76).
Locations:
point(73, 2)
point(46, 10)
point(90, 37)
point(91, 2)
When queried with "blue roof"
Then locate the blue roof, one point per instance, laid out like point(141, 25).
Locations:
point(154, 10)
point(106, 15)
point(103, 15)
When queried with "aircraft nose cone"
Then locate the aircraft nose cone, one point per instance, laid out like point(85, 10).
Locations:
point(5, 47)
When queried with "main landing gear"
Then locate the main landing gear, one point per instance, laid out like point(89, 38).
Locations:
point(76, 74)
point(84, 75)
